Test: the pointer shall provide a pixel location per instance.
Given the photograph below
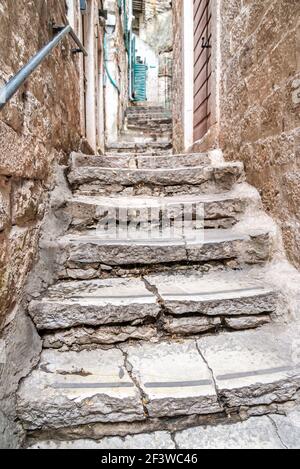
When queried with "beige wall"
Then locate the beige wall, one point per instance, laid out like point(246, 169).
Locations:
point(260, 104)
point(258, 121)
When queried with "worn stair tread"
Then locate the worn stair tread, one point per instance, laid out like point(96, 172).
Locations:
point(249, 368)
point(138, 147)
point(134, 136)
point(79, 388)
point(240, 191)
point(206, 376)
point(196, 238)
point(95, 246)
point(212, 178)
point(118, 301)
point(224, 208)
point(227, 293)
point(139, 161)
point(94, 303)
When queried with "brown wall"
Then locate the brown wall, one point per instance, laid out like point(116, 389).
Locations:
point(40, 125)
point(178, 97)
point(260, 104)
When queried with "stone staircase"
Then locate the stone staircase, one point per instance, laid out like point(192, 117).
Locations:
point(144, 333)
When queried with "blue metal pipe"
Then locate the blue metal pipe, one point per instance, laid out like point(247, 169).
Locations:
point(112, 81)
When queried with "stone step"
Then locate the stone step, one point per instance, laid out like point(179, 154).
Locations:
point(94, 303)
point(273, 431)
point(219, 211)
point(136, 148)
point(84, 253)
point(79, 160)
point(150, 382)
point(159, 123)
point(156, 121)
point(115, 310)
point(147, 110)
point(141, 137)
point(192, 180)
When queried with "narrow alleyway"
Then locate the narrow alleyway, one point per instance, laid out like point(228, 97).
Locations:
point(150, 224)
point(144, 333)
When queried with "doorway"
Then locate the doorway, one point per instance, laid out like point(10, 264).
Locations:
point(202, 67)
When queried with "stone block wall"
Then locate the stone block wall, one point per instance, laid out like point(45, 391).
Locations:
point(259, 121)
point(40, 125)
point(38, 128)
point(260, 104)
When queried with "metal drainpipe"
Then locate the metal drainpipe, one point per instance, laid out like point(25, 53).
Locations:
point(106, 66)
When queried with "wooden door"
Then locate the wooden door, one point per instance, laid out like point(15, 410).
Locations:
point(202, 67)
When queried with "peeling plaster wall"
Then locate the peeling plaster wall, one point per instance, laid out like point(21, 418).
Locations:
point(260, 104)
point(39, 127)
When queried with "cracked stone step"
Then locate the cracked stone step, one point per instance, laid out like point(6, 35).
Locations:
point(69, 388)
point(220, 210)
point(117, 309)
point(218, 374)
point(192, 180)
point(255, 367)
point(255, 433)
point(79, 160)
point(80, 337)
point(250, 368)
point(88, 250)
point(94, 303)
point(231, 294)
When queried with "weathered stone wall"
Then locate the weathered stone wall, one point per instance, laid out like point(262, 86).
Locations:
point(178, 94)
point(41, 125)
point(260, 104)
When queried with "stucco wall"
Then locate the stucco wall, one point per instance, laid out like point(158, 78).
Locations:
point(156, 31)
point(39, 127)
point(260, 104)
point(117, 64)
